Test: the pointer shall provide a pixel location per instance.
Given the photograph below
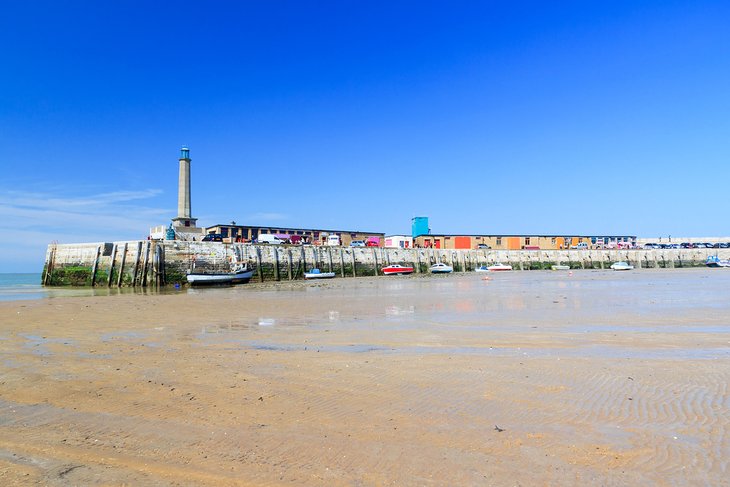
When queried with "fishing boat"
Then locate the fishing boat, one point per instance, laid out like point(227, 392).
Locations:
point(317, 274)
point(397, 269)
point(441, 268)
point(237, 275)
point(715, 261)
point(499, 267)
point(621, 266)
point(560, 267)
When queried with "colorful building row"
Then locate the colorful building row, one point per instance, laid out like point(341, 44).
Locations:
point(523, 242)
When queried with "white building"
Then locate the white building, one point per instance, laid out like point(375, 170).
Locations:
point(399, 241)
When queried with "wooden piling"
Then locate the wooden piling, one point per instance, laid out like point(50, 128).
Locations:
point(49, 265)
point(146, 263)
point(375, 260)
point(111, 266)
point(259, 270)
point(342, 262)
point(121, 265)
point(418, 261)
point(275, 251)
point(136, 263)
point(354, 272)
point(329, 259)
point(93, 268)
point(157, 263)
point(288, 267)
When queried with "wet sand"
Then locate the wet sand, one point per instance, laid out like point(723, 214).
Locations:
point(534, 378)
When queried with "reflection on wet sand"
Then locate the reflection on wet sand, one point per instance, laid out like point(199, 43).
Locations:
point(594, 378)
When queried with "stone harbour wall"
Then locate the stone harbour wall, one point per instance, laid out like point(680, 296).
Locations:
point(166, 262)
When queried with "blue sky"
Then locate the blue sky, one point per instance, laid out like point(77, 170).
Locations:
point(488, 117)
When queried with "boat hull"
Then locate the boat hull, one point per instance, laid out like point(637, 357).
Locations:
point(393, 271)
point(715, 261)
point(499, 268)
point(201, 279)
point(441, 269)
point(319, 275)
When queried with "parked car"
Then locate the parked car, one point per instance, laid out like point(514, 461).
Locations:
point(357, 243)
point(213, 237)
point(483, 246)
point(267, 238)
point(580, 246)
point(372, 242)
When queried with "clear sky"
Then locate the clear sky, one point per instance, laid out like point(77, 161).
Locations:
point(488, 117)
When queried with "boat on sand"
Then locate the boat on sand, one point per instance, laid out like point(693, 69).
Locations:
point(318, 274)
point(237, 275)
point(441, 268)
point(499, 267)
point(621, 266)
point(397, 269)
point(715, 261)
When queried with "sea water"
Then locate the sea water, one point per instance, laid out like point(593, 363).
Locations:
point(23, 286)
point(14, 286)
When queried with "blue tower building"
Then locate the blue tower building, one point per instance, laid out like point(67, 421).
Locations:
point(419, 226)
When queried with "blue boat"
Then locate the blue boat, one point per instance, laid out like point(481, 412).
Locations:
point(715, 261)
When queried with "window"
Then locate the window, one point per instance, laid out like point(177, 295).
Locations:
point(498, 241)
point(527, 240)
point(553, 240)
point(224, 232)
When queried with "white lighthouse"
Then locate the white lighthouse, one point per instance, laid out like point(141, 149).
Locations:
point(184, 218)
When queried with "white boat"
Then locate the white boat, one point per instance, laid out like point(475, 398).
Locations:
point(397, 269)
point(560, 267)
point(317, 274)
point(499, 267)
point(482, 268)
point(715, 261)
point(441, 268)
point(621, 266)
point(238, 275)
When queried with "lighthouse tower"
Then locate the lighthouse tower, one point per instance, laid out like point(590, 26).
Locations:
point(184, 217)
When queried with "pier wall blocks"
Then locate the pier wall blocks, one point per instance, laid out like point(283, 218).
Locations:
point(154, 262)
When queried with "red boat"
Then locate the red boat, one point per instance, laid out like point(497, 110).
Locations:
point(397, 269)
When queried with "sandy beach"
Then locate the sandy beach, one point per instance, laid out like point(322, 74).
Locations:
point(595, 378)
